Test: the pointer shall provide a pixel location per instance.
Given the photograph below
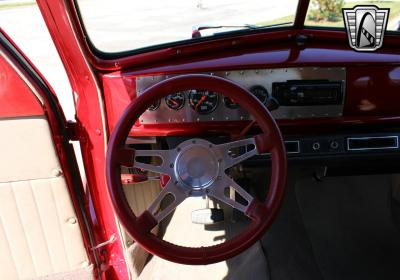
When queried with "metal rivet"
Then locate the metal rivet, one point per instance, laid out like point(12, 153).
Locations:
point(98, 131)
point(71, 221)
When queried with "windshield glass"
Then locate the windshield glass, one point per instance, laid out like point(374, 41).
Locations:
point(328, 13)
point(122, 25)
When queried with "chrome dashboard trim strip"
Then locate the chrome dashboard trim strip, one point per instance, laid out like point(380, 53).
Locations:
point(395, 146)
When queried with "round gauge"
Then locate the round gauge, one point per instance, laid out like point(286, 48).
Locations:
point(175, 101)
point(230, 103)
point(154, 106)
point(260, 92)
point(203, 101)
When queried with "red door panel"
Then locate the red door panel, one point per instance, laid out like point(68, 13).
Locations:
point(16, 98)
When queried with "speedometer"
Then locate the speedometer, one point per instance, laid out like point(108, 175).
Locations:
point(203, 101)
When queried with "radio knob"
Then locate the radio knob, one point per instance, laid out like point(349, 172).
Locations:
point(272, 104)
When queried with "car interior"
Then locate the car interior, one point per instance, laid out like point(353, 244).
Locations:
point(253, 153)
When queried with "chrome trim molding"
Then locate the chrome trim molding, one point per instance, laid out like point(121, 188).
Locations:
point(395, 146)
point(298, 147)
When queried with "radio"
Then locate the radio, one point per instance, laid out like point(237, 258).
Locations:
point(308, 92)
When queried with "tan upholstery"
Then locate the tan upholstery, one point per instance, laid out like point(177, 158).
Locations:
point(39, 232)
point(26, 150)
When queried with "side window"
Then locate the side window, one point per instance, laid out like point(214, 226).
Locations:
point(19, 20)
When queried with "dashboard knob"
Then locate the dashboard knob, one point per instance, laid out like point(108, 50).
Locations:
point(272, 104)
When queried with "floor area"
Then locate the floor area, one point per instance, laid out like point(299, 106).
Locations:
point(337, 228)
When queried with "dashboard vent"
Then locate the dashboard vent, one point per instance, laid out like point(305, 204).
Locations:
point(372, 143)
point(292, 147)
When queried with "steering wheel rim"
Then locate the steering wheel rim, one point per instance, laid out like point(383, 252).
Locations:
point(261, 213)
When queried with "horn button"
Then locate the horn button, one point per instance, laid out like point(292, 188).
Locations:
point(196, 166)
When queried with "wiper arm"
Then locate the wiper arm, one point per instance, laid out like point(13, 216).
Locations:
point(196, 29)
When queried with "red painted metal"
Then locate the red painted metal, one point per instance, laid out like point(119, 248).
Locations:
point(53, 116)
point(368, 89)
point(262, 213)
point(89, 108)
point(302, 8)
point(16, 98)
point(373, 91)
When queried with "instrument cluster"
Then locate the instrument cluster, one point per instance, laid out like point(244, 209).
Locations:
point(205, 102)
point(202, 105)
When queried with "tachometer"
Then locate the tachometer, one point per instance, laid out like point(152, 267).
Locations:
point(260, 92)
point(175, 101)
point(203, 101)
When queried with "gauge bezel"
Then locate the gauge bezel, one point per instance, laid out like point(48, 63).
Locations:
point(157, 105)
point(192, 106)
point(180, 105)
point(264, 89)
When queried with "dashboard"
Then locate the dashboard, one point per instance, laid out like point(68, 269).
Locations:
point(335, 105)
point(302, 92)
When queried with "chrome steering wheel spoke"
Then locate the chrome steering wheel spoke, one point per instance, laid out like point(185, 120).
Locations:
point(221, 191)
point(246, 148)
point(177, 193)
point(167, 158)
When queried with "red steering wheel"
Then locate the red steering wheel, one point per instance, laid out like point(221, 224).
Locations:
point(197, 167)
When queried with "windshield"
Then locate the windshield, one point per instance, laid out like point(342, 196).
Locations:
point(122, 25)
point(328, 13)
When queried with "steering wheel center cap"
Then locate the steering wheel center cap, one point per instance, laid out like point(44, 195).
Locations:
point(196, 166)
